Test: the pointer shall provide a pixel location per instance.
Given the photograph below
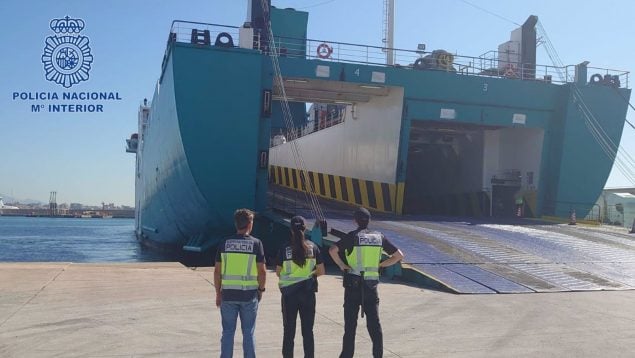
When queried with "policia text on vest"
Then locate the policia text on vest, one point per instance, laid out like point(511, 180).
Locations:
point(359, 255)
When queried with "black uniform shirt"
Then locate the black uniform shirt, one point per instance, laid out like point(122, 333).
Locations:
point(253, 246)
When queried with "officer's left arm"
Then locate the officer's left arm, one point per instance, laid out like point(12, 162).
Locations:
point(217, 282)
point(261, 265)
point(262, 274)
point(278, 270)
point(393, 259)
point(319, 270)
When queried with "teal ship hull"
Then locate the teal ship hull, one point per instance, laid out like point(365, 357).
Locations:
point(193, 171)
point(204, 141)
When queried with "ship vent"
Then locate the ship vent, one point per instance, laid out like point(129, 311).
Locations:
point(200, 37)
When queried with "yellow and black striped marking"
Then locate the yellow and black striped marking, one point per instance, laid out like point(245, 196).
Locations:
point(367, 193)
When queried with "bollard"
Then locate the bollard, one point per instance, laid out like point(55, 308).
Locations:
point(632, 227)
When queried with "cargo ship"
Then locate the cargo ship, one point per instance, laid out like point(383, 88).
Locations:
point(396, 130)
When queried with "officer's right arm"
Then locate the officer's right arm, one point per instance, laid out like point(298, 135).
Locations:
point(334, 251)
point(262, 274)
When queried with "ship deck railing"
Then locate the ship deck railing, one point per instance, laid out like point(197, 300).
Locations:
point(310, 127)
point(490, 64)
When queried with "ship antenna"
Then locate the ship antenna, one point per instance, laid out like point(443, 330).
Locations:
point(388, 27)
point(310, 194)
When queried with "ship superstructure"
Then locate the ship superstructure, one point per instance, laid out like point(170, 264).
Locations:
point(433, 132)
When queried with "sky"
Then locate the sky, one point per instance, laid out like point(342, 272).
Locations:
point(82, 155)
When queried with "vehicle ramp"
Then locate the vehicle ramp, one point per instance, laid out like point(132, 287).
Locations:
point(520, 256)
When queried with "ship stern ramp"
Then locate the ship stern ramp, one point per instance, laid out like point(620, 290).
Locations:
point(487, 256)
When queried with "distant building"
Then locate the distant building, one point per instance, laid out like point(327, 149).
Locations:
point(618, 206)
point(110, 206)
point(76, 206)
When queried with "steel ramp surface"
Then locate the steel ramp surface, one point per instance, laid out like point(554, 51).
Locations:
point(479, 256)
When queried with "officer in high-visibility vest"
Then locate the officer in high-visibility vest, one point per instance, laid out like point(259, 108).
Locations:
point(298, 265)
point(359, 255)
point(239, 279)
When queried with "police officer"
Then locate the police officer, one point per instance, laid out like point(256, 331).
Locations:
point(359, 255)
point(239, 279)
point(298, 265)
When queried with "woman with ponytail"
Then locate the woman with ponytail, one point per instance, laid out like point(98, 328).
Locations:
point(298, 265)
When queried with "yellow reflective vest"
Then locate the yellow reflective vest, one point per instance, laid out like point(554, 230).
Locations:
point(291, 272)
point(239, 271)
point(366, 254)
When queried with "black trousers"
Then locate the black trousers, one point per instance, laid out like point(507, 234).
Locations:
point(352, 303)
point(303, 302)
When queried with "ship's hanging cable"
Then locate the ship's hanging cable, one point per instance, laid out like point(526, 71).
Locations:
point(305, 182)
point(489, 12)
point(316, 5)
point(623, 161)
point(629, 104)
point(591, 118)
point(551, 52)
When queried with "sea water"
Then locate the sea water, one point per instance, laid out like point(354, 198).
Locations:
point(27, 239)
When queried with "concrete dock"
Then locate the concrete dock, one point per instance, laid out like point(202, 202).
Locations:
point(167, 310)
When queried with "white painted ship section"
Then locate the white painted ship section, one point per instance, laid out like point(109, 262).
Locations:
point(364, 146)
point(513, 149)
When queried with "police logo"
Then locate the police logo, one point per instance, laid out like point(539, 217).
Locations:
point(369, 239)
point(67, 56)
point(239, 246)
point(289, 252)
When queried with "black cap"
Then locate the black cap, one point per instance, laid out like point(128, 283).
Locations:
point(362, 214)
point(297, 222)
